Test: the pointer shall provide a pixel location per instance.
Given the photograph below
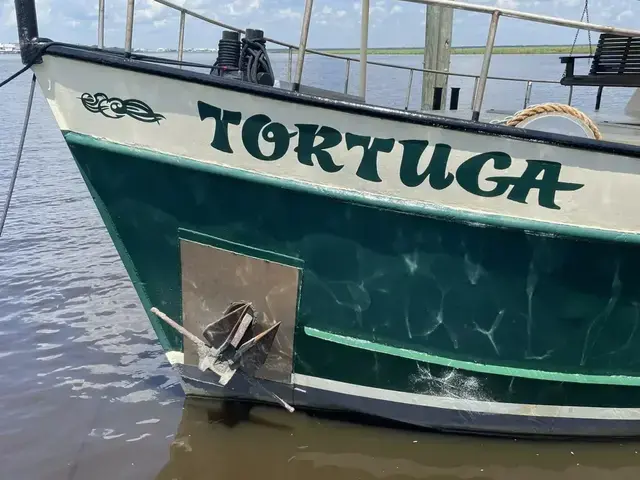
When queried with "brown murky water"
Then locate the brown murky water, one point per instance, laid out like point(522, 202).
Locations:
point(275, 444)
point(86, 393)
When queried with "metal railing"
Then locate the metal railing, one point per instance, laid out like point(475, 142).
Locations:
point(480, 80)
point(496, 13)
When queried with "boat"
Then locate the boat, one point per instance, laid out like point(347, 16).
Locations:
point(301, 247)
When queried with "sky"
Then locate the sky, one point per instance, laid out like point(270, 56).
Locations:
point(335, 23)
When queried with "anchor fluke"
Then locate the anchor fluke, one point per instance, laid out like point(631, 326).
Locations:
point(232, 344)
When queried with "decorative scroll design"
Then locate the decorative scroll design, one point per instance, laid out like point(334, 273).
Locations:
point(114, 107)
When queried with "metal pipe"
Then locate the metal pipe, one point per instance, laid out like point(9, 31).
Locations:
point(364, 46)
point(193, 14)
point(16, 165)
point(425, 58)
point(570, 95)
point(475, 88)
point(486, 61)
point(289, 64)
point(183, 19)
point(451, 4)
point(527, 94)
point(128, 37)
point(534, 17)
point(27, 22)
point(100, 23)
point(406, 103)
point(599, 97)
point(346, 80)
point(447, 3)
point(304, 36)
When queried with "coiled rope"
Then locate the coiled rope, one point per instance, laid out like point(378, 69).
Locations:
point(534, 110)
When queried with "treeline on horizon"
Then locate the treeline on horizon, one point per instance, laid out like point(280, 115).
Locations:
point(505, 49)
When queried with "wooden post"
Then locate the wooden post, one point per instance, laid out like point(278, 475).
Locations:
point(27, 22)
point(437, 52)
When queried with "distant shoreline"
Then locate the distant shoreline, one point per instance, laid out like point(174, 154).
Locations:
point(514, 49)
point(504, 50)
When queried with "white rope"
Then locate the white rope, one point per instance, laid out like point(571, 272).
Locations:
point(542, 108)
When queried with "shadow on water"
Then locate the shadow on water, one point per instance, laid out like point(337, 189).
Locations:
point(214, 441)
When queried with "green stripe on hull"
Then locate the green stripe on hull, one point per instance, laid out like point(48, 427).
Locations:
point(484, 295)
point(472, 366)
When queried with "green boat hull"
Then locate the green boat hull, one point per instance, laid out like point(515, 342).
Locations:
point(399, 315)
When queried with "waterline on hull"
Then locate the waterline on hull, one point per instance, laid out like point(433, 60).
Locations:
point(425, 411)
point(468, 405)
point(303, 383)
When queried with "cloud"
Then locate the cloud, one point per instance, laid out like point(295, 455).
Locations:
point(335, 22)
point(242, 7)
point(510, 4)
point(288, 13)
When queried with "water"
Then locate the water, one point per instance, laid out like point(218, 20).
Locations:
point(85, 392)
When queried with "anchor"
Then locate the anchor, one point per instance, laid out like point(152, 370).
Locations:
point(232, 345)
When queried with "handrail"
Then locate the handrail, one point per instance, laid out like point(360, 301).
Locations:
point(534, 17)
point(479, 80)
point(191, 13)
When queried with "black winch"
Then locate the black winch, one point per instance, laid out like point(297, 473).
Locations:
point(245, 59)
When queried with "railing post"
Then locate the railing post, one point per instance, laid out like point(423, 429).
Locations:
point(486, 61)
point(304, 36)
point(100, 23)
point(475, 89)
point(346, 80)
point(570, 95)
point(527, 94)
point(364, 47)
point(128, 37)
point(599, 97)
point(289, 64)
point(183, 19)
point(437, 98)
point(455, 97)
point(406, 103)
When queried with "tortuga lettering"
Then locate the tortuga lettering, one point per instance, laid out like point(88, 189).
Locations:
point(314, 143)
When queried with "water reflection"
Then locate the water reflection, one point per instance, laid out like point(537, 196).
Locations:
point(215, 441)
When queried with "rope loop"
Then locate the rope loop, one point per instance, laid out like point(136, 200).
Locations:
point(534, 110)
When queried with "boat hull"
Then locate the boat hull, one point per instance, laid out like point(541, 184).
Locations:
point(372, 405)
point(458, 309)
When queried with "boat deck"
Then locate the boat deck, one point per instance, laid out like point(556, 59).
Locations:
point(619, 128)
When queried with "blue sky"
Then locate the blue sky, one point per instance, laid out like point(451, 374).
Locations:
point(335, 22)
